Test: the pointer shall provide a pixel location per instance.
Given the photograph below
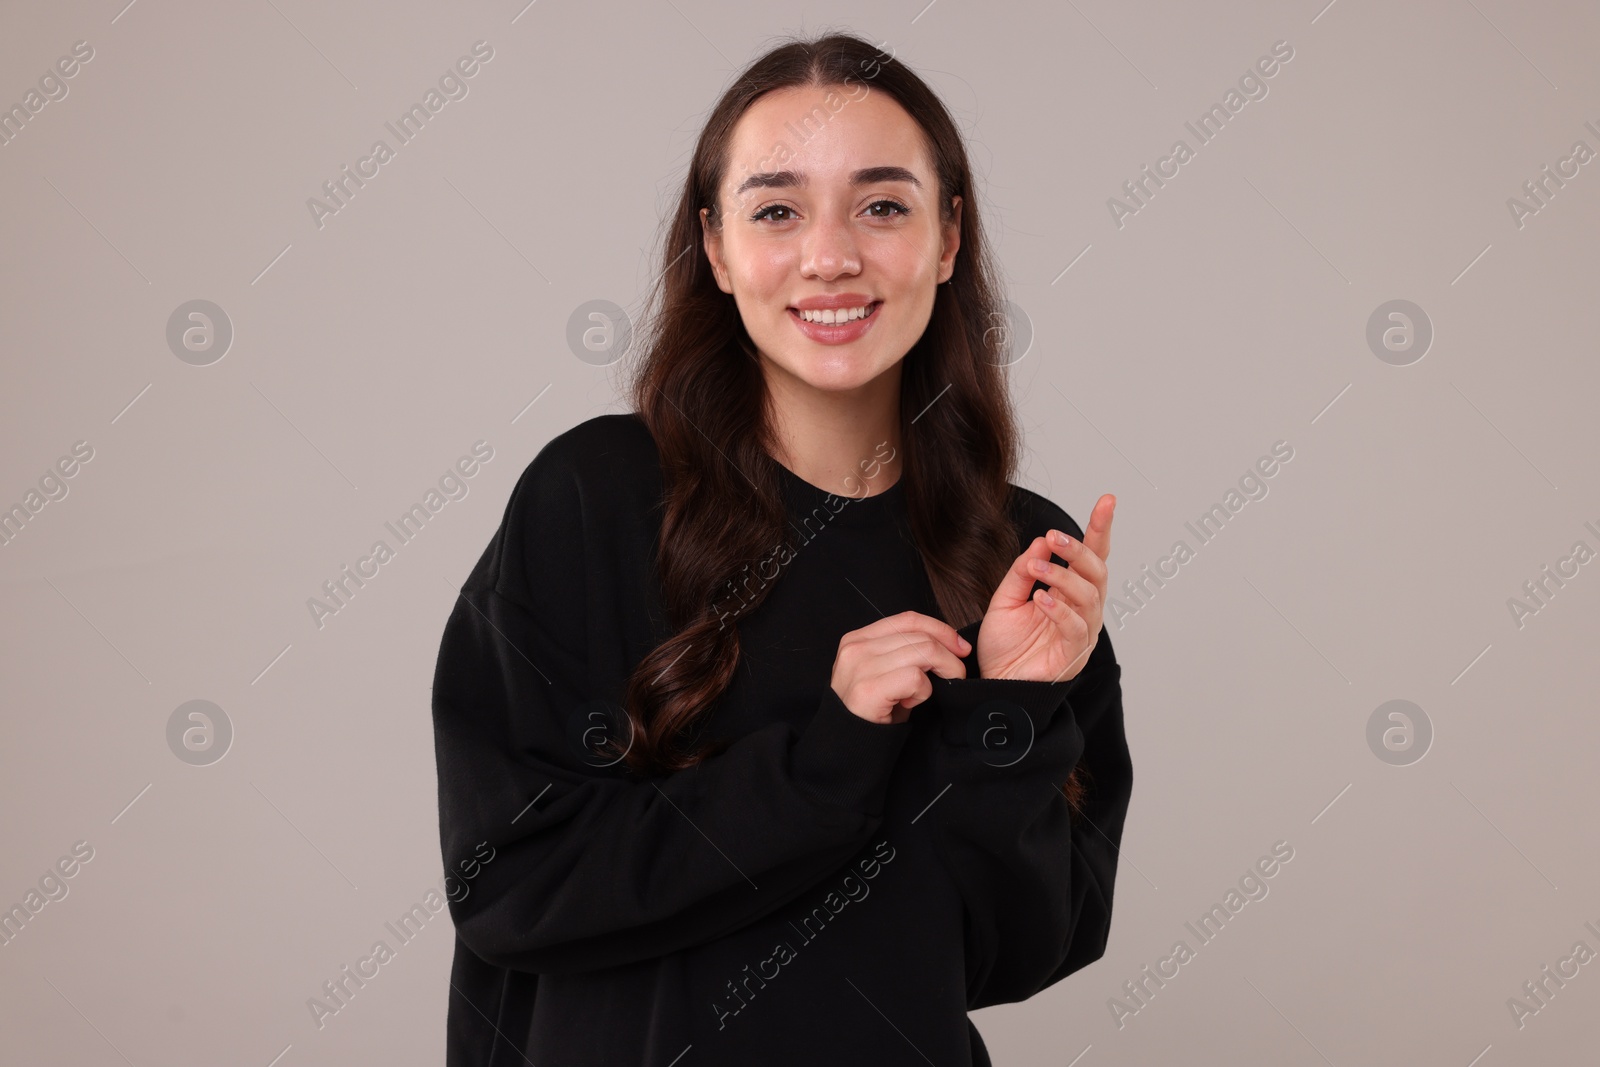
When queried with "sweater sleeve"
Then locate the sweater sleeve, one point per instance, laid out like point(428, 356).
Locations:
point(1036, 881)
point(590, 867)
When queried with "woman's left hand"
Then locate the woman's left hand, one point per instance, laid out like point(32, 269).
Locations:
point(1047, 636)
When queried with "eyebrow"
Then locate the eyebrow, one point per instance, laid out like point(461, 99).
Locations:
point(785, 179)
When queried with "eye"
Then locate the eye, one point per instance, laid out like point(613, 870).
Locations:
point(767, 211)
point(895, 204)
point(897, 209)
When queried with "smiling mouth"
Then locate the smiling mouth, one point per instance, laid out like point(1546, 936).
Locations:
point(837, 317)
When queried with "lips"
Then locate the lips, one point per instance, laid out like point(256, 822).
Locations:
point(838, 333)
point(837, 309)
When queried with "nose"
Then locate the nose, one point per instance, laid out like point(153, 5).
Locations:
point(830, 250)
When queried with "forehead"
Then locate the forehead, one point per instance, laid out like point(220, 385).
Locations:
point(825, 133)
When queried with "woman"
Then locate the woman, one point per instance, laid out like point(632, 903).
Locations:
point(746, 792)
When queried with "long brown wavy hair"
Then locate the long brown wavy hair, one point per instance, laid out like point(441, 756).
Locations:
point(699, 389)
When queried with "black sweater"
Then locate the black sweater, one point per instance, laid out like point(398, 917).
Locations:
point(828, 889)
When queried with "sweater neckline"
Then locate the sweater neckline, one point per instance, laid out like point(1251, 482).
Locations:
point(806, 497)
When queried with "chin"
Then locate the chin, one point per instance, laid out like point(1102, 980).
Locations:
point(830, 368)
point(837, 379)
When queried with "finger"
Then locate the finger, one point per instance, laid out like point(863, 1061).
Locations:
point(1098, 535)
point(890, 652)
point(933, 657)
point(916, 684)
point(1082, 558)
point(1072, 587)
point(1073, 627)
point(910, 623)
point(1063, 614)
point(1017, 586)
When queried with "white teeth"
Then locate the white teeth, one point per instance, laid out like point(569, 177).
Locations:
point(831, 316)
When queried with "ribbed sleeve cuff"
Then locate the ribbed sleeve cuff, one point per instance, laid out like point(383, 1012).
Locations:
point(986, 713)
point(844, 760)
point(971, 710)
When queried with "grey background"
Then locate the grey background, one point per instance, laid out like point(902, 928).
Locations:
point(368, 355)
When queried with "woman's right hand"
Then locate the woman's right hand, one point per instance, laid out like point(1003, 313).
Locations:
point(880, 672)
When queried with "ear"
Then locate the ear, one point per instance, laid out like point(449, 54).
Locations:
point(713, 245)
point(952, 241)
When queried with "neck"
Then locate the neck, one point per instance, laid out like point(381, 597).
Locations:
point(847, 443)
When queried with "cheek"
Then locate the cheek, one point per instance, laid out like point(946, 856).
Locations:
point(913, 309)
point(763, 284)
point(926, 266)
point(908, 265)
point(759, 269)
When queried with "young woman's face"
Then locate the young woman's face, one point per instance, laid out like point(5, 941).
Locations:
point(829, 193)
